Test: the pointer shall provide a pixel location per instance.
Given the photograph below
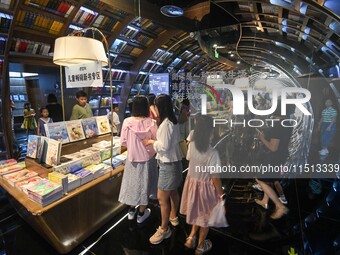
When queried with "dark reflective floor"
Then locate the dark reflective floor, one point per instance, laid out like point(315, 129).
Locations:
point(311, 227)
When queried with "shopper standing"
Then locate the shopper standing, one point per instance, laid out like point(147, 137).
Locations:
point(54, 108)
point(44, 119)
point(170, 166)
point(327, 126)
point(140, 171)
point(82, 109)
point(153, 111)
point(30, 124)
point(201, 191)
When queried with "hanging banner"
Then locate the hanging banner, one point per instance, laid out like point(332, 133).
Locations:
point(84, 75)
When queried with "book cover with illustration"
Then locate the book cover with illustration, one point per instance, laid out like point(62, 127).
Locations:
point(10, 169)
point(53, 152)
point(103, 124)
point(18, 176)
point(32, 146)
point(74, 130)
point(30, 181)
point(90, 127)
point(57, 131)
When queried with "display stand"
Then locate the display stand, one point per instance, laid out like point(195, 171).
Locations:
point(70, 220)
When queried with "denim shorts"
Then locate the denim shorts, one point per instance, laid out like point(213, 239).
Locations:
point(170, 175)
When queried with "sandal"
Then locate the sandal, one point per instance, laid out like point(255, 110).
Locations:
point(191, 242)
point(204, 247)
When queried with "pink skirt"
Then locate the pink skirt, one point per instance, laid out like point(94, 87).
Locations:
point(198, 199)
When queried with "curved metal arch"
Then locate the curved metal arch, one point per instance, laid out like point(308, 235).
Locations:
point(278, 51)
point(300, 48)
point(297, 30)
point(322, 9)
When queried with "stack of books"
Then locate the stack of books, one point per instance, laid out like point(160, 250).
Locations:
point(59, 179)
point(9, 169)
point(18, 176)
point(45, 193)
point(23, 185)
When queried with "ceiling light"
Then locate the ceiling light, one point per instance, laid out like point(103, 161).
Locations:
point(238, 62)
point(231, 55)
point(172, 11)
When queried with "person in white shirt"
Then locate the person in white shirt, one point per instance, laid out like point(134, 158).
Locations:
point(169, 158)
point(114, 119)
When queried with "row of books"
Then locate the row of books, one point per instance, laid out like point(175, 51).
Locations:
point(38, 22)
point(44, 149)
point(105, 23)
point(96, 154)
point(84, 16)
point(30, 47)
point(38, 189)
point(55, 6)
point(75, 130)
point(5, 22)
point(128, 33)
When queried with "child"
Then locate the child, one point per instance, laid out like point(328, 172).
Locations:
point(201, 191)
point(29, 119)
point(114, 119)
point(81, 110)
point(44, 119)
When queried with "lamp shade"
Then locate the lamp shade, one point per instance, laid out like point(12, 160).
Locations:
point(73, 50)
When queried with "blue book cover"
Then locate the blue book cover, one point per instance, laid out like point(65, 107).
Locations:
point(32, 146)
point(90, 127)
point(57, 131)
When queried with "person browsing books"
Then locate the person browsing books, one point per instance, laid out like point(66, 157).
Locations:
point(81, 110)
point(30, 124)
point(169, 158)
point(202, 190)
point(44, 119)
point(140, 171)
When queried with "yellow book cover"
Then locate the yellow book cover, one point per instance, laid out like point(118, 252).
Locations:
point(114, 27)
point(45, 2)
point(21, 16)
point(53, 27)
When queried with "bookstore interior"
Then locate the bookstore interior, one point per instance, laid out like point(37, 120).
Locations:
point(75, 129)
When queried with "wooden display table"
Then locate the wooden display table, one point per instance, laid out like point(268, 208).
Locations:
point(70, 220)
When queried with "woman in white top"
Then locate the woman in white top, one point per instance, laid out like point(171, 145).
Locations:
point(170, 166)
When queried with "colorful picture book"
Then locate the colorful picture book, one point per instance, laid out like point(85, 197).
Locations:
point(7, 162)
point(10, 169)
point(45, 193)
point(53, 152)
point(27, 182)
point(75, 130)
point(90, 127)
point(57, 131)
point(18, 176)
point(103, 124)
point(32, 146)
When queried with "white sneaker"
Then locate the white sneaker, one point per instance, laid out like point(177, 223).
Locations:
point(141, 219)
point(283, 200)
point(131, 214)
point(160, 235)
point(257, 186)
point(324, 152)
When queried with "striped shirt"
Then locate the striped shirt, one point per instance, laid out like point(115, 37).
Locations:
point(328, 114)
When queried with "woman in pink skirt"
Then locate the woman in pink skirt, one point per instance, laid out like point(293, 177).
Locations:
point(202, 190)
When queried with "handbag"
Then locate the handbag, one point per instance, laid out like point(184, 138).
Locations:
point(184, 148)
point(217, 216)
